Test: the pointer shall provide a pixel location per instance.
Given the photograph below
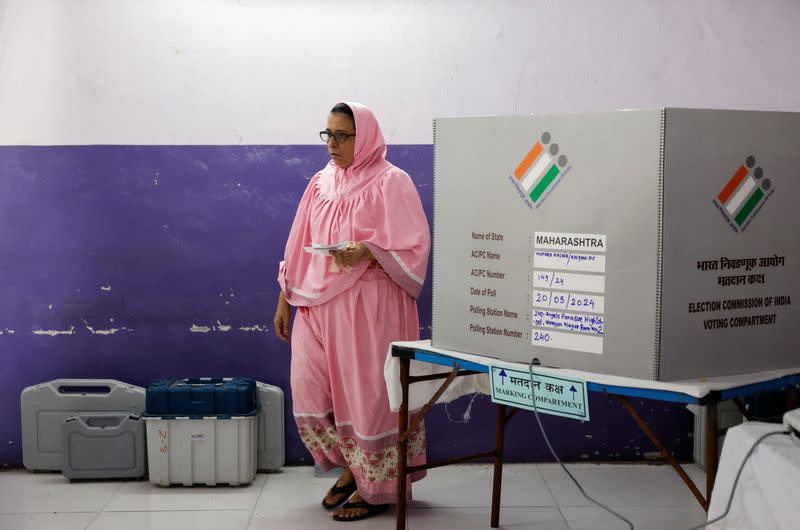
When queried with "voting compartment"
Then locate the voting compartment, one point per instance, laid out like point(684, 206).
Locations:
point(657, 244)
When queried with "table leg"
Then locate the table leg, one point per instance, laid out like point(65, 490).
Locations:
point(402, 446)
point(666, 454)
point(500, 434)
point(791, 397)
point(712, 448)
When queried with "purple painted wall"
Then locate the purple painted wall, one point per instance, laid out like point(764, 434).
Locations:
point(160, 238)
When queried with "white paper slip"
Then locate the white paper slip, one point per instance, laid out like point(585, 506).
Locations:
point(592, 283)
point(568, 261)
point(569, 301)
point(567, 341)
point(325, 250)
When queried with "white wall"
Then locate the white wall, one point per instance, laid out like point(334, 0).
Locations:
point(266, 72)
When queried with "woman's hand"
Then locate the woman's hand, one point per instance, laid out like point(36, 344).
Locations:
point(283, 315)
point(355, 253)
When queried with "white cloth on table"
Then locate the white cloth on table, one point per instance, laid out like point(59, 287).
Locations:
point(766, 496)
point(420, 393)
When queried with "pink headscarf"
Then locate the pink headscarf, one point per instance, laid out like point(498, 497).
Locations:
point(370, 201)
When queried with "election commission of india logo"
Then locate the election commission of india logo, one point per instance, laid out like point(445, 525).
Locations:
point(540, 171)
point(742, 198)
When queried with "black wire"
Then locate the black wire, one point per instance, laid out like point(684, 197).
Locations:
point(552, 451)
point(736, 481)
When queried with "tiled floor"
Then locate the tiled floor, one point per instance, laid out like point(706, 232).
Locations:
point(534, 496)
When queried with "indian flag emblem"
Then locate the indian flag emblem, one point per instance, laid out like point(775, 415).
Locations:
point(541, 169)
point(744, 194)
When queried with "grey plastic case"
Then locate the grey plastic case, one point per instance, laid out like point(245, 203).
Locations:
point(103, 445)
point(271, 450)
point(45, 406)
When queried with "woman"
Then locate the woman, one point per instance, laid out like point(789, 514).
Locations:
point(350, 306)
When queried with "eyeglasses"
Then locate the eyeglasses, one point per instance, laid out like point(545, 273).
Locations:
point(339, 136)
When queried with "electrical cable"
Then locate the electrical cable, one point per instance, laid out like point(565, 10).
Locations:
point(552, 451)
point(736, 481)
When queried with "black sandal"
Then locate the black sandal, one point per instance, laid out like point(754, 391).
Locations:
point(345, 491)
point(372, 509)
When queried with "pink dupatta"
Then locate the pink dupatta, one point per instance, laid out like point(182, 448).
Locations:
point(370, 201)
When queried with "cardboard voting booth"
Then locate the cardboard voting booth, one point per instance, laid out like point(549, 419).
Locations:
point(658, 244)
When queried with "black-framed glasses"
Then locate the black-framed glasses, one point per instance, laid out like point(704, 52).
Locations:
point(339, 136)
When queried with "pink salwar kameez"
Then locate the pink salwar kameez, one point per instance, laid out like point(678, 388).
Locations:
point(345, 320)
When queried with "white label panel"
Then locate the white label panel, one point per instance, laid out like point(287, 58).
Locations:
point(567, 341)
point(589, 303)
point(568, 241)
point(569, 261)
point(591, 283)
point(563, 321)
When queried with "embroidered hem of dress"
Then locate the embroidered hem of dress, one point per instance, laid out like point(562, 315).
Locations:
point(378, 464)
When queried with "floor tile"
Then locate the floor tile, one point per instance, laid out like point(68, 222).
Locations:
point(317, 519)
point(177, 520)
point(293, 488)
point(620, 485)
point(298, 509)
point(470, 486)
point(24, 492)
point(46, 521)
point(593, 518)
point(144, 496)
point(542, 518)
point(291, 499)
point(652, 496)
